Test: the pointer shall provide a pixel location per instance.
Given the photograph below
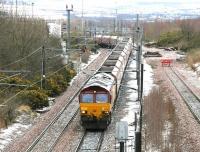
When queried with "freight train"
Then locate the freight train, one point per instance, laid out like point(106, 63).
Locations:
point(106, 41)
point(98, 96)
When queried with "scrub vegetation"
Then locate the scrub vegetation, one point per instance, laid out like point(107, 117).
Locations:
point(21, 43)
point(183, 35)
point(160, 123)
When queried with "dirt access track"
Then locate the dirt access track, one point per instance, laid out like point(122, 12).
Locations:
point(168, 124)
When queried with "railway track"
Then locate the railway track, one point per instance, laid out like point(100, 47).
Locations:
point(191, 100)
point(54, 130)
point(90, 141)
point(49, 137)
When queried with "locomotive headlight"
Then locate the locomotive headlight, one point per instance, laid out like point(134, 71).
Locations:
point(105, 112)
point(83, 111)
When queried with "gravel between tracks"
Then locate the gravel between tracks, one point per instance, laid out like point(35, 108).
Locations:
point(21, 144)
point(122, 109)
point(91, 141)
point(188, 129)
point(71, 137)
point(191, 79)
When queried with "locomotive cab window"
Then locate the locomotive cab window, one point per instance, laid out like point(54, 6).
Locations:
point(101, 98)
point(87, 98)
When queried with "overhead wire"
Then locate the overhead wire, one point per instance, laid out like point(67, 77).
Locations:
point(21, 58)
point(60, 12)
point(10, 77)
point(32, 85)
point(50, 74)
point(20, 73)
point(19, 92)
point(11, 86)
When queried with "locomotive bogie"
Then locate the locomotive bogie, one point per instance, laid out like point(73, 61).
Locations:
point(89, 122)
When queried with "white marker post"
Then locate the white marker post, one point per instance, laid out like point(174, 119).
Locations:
point(121, 133)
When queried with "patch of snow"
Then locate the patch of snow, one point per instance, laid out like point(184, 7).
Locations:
point(43, 110)
point(55, 29)
point(13, 131)
point(152, 149)
point(133, 105)
point(192, 76)
point(82, 66)
point(197, 68)
point(91, 58)
point(51, 101)
point(148, 79)
point(132, 83)
point(166, 133)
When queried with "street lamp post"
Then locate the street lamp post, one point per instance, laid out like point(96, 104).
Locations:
point(16, 3)
point(43, 75)
point(32, 9)
point(68, 25)
point(139, 76)
point(82, 18)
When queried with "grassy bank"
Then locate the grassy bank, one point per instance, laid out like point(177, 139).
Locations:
point(182, 34)
point(193, 57)
point(160, 124)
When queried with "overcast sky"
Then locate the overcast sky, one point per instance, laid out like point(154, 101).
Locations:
point(109, 6)
point(128, 4)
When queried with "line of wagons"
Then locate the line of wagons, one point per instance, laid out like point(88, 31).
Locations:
point(106, 41)
point(97, 97)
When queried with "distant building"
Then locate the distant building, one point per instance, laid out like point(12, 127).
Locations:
point(55, 29)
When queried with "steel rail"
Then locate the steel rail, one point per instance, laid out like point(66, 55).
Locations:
point(37, 140)
point(62, 132)
point(189, 97)
point(101, 137)
point(97, 138)
point(81, 142)
point(100, 141)
point(178, 75)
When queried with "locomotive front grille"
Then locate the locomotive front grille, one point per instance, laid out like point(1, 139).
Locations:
point(95, 110)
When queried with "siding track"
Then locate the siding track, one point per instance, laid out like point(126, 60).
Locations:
point(190, 98)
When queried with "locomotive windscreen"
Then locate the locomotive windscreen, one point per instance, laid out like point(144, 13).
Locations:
point(87, 98)
point(101, 98)
point(98, 97)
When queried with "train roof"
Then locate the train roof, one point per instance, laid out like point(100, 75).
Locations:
point(106, 36)
point(103, 80)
